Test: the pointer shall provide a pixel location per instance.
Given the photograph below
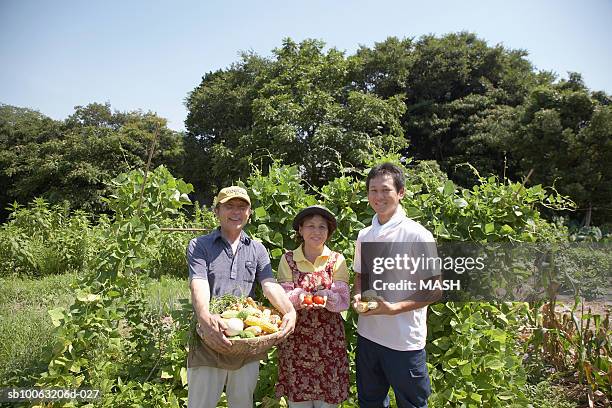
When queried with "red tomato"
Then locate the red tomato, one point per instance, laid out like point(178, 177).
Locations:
point(318, 300)
point(307, 300)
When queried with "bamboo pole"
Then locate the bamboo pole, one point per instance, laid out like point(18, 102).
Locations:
point(185, 229)
point(146, 172)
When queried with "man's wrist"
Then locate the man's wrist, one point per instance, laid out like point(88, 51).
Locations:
point(204, 317)
point(395, 308)
point(401, 307)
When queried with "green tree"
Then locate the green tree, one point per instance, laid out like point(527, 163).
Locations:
point(75, 159)
point(220, 115)
point(451, 85)
point(471, 102)
point(298, 106)
point(564, 133)
point(19, 127)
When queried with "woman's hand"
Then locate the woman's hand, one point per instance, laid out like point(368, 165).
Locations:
point(356, 300)
point(310, 301)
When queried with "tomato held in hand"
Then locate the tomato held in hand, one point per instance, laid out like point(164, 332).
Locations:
point(307, 300)
point(318, 300)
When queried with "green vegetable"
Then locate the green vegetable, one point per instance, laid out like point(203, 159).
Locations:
point(246, 334)
point(218, 304)
point(243, 314)
point(228, 314)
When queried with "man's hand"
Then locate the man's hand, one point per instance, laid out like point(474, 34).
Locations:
point(384, 308)
point(210, 326)
point(210, 329)
point(279, 299)
point(287, 325)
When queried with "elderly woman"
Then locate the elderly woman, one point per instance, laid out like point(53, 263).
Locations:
point(313, 361)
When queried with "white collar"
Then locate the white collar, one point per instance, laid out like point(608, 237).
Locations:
point(398, 217)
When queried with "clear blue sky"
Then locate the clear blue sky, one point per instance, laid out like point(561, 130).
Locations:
point(149, 54)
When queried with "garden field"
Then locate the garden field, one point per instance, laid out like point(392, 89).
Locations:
point(102, 302)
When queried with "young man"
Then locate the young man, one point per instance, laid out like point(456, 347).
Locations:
point(391, 337)
point(228, 261)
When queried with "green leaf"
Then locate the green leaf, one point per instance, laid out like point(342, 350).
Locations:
point(449, 188)
point(277, 239)
point(165, 374)
point(113, 294)
point(476, 397)
point(506, 396)
point(489, 228)
point(443, 343)
point(466, 370)
point(494, 364)
point(88, 297)
point(60, 361)
point(263, 231)
point(460, 202)
point(57, 315)
point(260, 212)
point(183, 376)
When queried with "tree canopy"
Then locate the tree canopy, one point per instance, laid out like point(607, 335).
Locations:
point(454, 99)
point(298, 107)
point(73, 160)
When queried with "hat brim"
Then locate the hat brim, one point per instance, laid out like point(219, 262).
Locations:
point(226, 199)
point(315, 211)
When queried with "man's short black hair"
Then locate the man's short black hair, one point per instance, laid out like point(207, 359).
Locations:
point(387, 168)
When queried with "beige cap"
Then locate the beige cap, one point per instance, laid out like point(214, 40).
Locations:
point(228, 193)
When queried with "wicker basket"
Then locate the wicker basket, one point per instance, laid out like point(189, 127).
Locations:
point(250, 346)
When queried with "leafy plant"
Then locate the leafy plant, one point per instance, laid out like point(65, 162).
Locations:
point(108, 339)
point(43, 240)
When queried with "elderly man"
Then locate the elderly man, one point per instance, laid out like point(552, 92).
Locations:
point(227, 261)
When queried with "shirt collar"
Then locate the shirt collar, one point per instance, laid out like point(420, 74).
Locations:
point(397, 217)
point(298, 254)
point(244, 238)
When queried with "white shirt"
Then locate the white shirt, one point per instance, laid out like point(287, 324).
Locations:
point(408, 330)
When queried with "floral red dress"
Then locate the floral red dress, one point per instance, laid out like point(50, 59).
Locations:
point(313, 361)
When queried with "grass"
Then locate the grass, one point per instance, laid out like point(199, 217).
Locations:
point(164, 294)
point(546, 395)
point(26, 332)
